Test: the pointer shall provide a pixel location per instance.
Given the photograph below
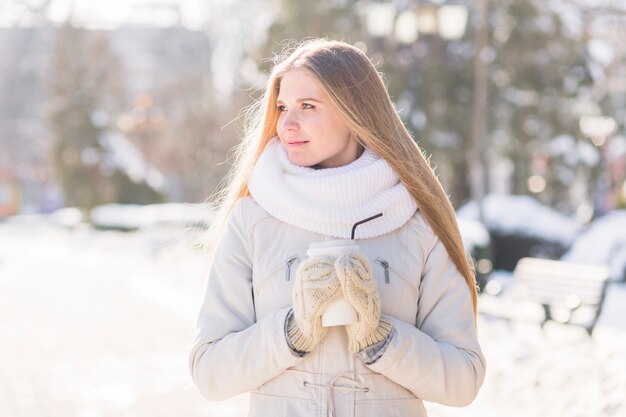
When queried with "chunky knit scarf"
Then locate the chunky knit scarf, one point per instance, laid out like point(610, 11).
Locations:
point(330, 201)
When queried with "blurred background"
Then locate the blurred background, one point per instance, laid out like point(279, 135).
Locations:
point(116, 121)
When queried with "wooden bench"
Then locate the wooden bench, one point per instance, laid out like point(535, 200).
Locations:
point(567, 293)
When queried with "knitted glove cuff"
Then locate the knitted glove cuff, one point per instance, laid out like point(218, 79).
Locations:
point(371, 354)
point(288, 321)
point(379, 334)
point(297, 339)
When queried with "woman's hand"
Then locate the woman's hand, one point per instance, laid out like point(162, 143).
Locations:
point(316, 286)
point(355, 276)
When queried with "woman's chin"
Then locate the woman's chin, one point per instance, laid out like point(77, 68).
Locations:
point(299, 161)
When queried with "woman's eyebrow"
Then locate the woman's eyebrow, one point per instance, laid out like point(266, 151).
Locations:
point(299, 100)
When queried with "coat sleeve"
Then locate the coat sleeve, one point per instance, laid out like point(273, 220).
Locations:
point(233, 353)
point(438, 359)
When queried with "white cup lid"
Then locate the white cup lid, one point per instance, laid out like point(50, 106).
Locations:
point(332, 247)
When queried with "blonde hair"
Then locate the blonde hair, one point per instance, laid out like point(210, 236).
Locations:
point(359, 93)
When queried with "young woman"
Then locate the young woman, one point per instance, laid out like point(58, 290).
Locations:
point(327, 151)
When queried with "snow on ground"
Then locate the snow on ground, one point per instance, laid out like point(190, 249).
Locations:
point(121, 351)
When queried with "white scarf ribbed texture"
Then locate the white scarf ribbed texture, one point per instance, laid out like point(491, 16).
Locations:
point(330, 201)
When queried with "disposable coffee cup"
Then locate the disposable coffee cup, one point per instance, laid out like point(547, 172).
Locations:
point(340, 312)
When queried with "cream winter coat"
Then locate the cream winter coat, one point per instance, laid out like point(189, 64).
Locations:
point(240, 343)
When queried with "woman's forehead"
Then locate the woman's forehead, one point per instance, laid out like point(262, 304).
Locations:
point(299, 83)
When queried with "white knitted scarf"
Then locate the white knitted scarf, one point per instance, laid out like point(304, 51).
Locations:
point(331, 200)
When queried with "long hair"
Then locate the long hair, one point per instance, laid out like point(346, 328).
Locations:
point(361, 98)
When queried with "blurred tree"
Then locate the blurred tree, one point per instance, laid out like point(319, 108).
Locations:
point(24, 139)
point(536, 70)
point(85, 86)
point(295, 20)
point(193, 140)
point(539, 74)
point(176, 118)
point(431, 83)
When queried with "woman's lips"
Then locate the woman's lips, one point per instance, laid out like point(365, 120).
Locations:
point(297, 142)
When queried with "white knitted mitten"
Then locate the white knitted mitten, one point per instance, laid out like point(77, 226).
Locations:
point(315, 287)
point(355, 275)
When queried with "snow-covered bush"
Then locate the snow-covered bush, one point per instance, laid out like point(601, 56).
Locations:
point(478, 243)
point(603, 243)
point(132, 216)
point(521, 226)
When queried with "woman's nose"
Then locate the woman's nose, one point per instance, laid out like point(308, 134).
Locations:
point(289, 121)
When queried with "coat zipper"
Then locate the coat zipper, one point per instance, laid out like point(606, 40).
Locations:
point(388, 269)
point(288, 269)
point(385, 266)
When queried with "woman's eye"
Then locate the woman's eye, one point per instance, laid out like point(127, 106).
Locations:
point(307, 106)
point(280, 108)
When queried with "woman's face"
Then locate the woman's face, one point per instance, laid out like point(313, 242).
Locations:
point(309, 126)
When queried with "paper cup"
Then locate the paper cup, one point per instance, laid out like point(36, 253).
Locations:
point(340, 312)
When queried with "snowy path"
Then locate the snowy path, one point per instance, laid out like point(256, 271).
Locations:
point(98, 324)
point(92, 325)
